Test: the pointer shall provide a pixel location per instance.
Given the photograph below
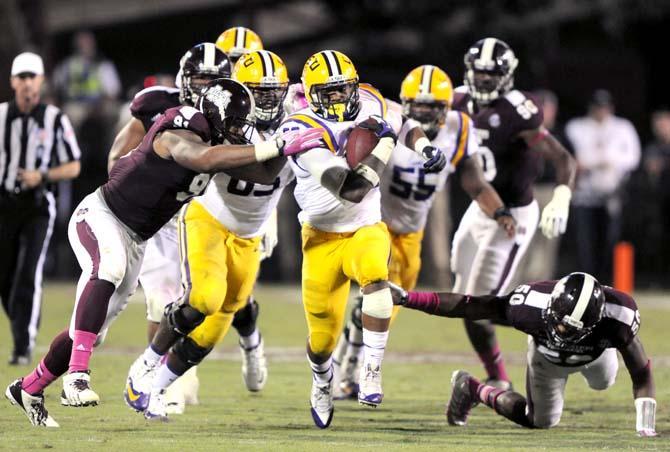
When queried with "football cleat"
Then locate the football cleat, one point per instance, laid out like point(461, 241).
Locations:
point(321, 403)
point(77, 390)
point(175, 402)
point(138, 384)
point(462, 400)
point(31, 405)
point(254, 367)
point(370, 386)
point(157, 409)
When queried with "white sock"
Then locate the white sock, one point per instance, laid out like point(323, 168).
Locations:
point(375, 344)
point(323, 372)
point(164, 378)
point(252, 340)
point(150, 356)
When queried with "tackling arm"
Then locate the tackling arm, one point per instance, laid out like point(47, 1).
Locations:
point(128, 138)
point(644, 392)
point(454, 305)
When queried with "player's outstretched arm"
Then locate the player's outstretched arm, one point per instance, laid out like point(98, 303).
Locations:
point(644, 392)
point(474, 184)
point(188, 150)
point(454, 305)
point(416, 139)
point(554, 218)
point(128, 138)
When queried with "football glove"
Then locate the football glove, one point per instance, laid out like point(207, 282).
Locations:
point(435, 159)
point(296, 142)
point(380, 127)
point(555, 215)
point(398, 294)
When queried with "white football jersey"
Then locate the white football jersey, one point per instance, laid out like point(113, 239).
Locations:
point(319, 207)
point(244, 207)
point(407, 190)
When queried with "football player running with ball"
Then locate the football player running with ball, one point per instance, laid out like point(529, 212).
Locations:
point(343, 238)
point(110, 227)
point(512, 143)
point(574, 325)
point(408, 190)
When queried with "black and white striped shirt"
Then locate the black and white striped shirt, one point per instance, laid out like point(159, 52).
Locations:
point(42, 139)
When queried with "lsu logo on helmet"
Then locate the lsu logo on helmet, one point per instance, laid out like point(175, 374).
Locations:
point(426, 94)
point(330, 81)
point(266, 76)
point(236, 41)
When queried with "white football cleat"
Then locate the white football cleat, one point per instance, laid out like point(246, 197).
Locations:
point(77, 390)
point(32, 405)
point(138, 384)
point(254, 367)
point(321, 403)
point(157, 409)
point(370, 386)
point(183, 391)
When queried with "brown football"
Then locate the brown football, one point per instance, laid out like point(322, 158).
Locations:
point(360, 144)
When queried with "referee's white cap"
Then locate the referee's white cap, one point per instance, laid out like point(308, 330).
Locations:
point(27, 62)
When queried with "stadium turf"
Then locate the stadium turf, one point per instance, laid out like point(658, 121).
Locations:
point(423, 351)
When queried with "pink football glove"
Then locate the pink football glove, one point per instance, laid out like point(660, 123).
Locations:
point(296, 142)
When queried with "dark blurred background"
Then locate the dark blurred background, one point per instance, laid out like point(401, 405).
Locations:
point(571, 47)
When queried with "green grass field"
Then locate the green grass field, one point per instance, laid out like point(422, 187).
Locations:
point(422, 353)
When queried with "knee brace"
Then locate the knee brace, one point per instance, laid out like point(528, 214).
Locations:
point(182, 318)
point(189, 352)
point(378, 304)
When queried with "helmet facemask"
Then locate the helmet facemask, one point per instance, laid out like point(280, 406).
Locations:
point(269, 102)
point(431, 115)
point(337, 101)
point(489, 79)
point(238, 130)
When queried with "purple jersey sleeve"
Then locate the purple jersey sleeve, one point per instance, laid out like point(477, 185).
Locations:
point(621, 319)
point(185, 118)
point(152, 102)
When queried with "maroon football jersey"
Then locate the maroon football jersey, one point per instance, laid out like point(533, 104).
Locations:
point(508, 163)
point(152, 102)
point(619, 325)
point(144, 190)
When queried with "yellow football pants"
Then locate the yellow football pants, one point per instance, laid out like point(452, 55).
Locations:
point(218, 271)
point(330, 261)
point(405, 261)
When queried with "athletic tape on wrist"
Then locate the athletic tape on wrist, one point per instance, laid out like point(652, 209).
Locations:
point(420, 145)
point(266, 150)
point(367, 173)
point(383, 149)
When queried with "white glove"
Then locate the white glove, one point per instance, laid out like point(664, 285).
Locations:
point(645, 422)
point(555, 214)
point(271, 236)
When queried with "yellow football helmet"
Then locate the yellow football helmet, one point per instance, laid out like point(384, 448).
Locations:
point(266, 76)
point(236, 41)
point(330, 81)
point(426, 94)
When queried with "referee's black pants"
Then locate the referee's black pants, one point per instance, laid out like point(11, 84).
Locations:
point(26, 224)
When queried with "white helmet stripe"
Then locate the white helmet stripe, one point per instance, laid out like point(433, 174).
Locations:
point(584, 297)
point(331, 59)
point(208, 59)
point(268, 67)
point(486, 57)
point(426, 79)
point(240, 37)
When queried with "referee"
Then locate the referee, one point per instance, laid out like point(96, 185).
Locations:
point(37, 148)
